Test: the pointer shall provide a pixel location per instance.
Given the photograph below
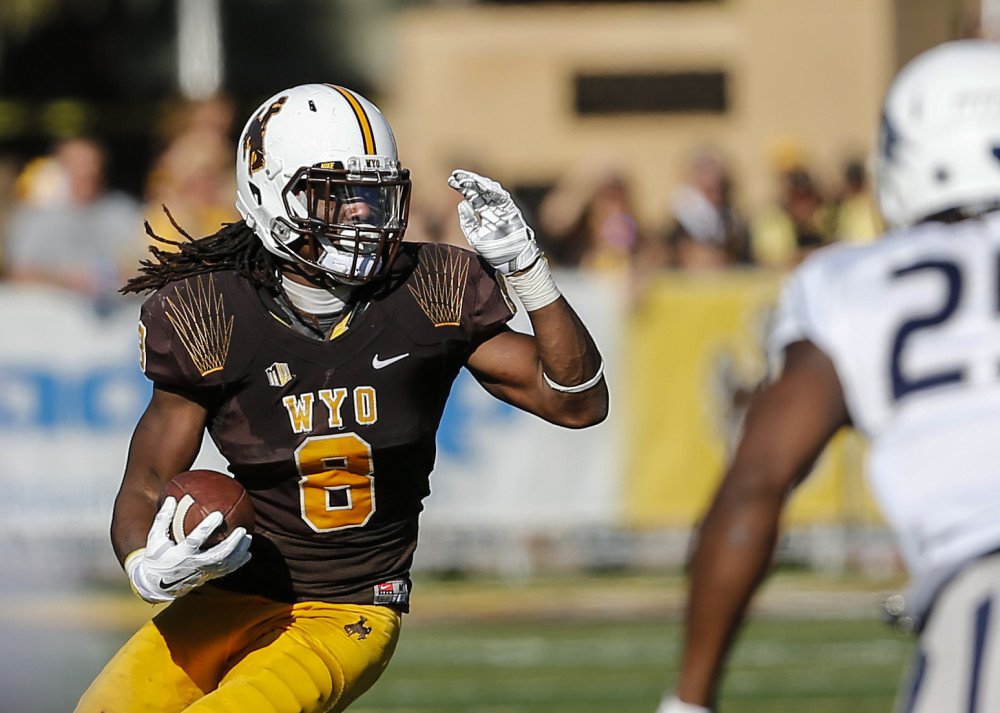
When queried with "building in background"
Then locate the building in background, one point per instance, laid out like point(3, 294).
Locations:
point(643, 81)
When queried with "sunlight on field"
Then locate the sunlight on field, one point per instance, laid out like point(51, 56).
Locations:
point(586, 645)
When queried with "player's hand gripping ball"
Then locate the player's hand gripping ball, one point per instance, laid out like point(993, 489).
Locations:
point(200, 492)
point(199, 533)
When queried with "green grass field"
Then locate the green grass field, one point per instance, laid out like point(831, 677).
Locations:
point(842, 666)
point(839, 658)
point(580, 645)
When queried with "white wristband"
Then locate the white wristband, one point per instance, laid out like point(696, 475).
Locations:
point(141, 589)
point(535, 286)
point(588, 384)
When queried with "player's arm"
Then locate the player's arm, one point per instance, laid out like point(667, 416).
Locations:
point(521, 369)
point(165, 442)
point(787, 426)
point(558, 373)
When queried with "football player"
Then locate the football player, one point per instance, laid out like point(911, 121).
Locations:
point(317, 349)
point(901, 339)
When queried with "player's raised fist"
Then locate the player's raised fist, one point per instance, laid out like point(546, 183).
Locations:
point(493, 224)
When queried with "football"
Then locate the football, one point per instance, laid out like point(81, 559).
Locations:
point(200, 492)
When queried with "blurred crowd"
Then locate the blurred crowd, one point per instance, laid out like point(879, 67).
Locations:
point(588, 219)
point(62, 225)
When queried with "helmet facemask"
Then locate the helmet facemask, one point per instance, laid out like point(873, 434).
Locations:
point(351, 222)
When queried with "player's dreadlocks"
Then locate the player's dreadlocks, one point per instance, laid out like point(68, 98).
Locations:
point(233, 247)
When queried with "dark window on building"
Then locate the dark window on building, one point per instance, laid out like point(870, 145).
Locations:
point(702, 92)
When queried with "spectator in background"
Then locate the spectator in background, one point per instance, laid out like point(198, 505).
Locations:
point(856, 215)
point(9, 171)
point(69, 230)
point(193, 176)
point(706, 231)
point(783, 234)
point(588, 221)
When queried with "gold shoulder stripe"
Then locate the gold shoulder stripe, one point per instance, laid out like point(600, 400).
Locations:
point(439, 285)
point(199, 318)
point(363, 121)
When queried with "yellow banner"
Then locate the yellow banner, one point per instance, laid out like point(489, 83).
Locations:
point(695, 352)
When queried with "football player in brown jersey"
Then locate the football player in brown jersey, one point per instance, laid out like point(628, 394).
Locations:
point(317, 349)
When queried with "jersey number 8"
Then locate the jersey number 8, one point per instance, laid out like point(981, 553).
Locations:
point(337, 487)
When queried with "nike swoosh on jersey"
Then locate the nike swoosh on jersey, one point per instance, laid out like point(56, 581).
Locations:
point(382, 363)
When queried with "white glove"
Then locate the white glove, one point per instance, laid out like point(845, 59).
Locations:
point(495, 228)
point(673, 704)
point(163, 571)
point(493, 223)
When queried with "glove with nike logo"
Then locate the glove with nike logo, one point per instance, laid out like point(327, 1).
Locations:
point(495, 228)
point(163, 570)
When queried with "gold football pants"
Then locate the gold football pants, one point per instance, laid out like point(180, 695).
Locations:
point(212, 651)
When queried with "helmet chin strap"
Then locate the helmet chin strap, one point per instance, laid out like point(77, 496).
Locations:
point(325, 266)
point(340, 262)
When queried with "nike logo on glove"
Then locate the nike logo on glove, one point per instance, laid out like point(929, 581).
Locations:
point(167, 586)
point(382, 363)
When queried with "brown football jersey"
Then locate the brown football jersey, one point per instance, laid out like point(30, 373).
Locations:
point(334, 439)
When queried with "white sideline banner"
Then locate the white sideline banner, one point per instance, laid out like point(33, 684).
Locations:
point(71, 392)
point(501, 467)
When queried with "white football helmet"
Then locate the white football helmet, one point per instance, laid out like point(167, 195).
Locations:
point(939, 142)
point(319, 181)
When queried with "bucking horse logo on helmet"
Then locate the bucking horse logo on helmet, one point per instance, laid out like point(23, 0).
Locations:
point(253, 141)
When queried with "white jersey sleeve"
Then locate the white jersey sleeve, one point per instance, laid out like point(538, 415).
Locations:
point(803, 311)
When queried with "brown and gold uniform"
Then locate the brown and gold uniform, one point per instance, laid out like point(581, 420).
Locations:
point(335, 440)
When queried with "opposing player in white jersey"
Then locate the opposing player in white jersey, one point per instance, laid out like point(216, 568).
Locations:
point(901, 339)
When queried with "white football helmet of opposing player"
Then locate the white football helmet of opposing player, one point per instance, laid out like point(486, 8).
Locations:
point(318, 179)
point(939, 142)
